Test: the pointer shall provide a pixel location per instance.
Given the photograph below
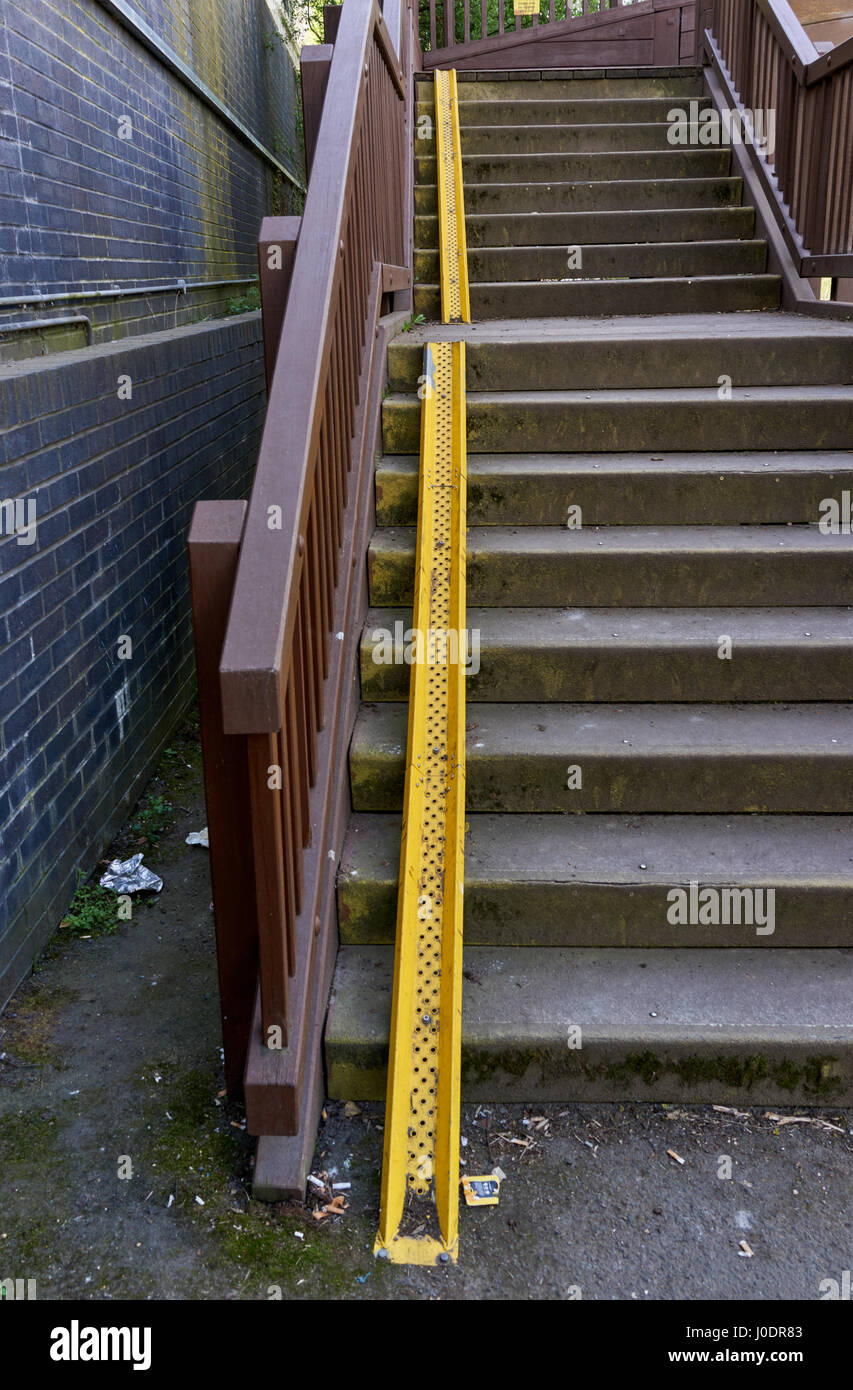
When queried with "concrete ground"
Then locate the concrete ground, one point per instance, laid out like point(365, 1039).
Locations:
point(110, 1064)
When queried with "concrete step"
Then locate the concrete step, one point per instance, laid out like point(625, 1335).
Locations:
point(630, 194)
point(557, 112)
point(545, 880)
point(633, 654)
point(593, 298)
point(631, 566)
point(629, 489)
point(499, 141)
point(629, 759)
point(496, 168)
point(625, 421)
point(750, 1026)
point(651, 353)
point(596, 228)
point(571, 85)
point(649, 260)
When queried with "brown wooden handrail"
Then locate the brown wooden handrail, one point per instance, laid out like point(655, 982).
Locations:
point(341, 235)
point(808, 65)
point(767, 63)
point(277, 648)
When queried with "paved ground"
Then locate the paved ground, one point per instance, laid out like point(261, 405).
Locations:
point(109, 1061)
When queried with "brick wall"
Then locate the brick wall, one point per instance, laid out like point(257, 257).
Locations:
point(181, 196)
point(116, 175)
point(114, 481)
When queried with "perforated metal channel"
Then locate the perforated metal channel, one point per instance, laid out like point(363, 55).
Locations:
point(420, 1170)
point(453, 309)
point(436, 770)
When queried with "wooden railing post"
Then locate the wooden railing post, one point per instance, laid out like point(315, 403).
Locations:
point(314, 63)
point(214, 547)
point(331, 20)
point(392, 13)
point(276, 253)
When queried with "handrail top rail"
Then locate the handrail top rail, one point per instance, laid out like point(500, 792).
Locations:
point(807, 64)
point(791, 35)
point(270, 565)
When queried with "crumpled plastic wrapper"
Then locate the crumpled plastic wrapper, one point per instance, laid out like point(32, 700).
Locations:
point(198, 837)
point(130, 876)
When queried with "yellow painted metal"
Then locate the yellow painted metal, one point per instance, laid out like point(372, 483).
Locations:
point(420, 1175)
point(455, 300)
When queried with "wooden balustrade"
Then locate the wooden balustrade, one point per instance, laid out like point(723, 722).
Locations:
point(279, 588)
point(563, 33)
point(769, 65)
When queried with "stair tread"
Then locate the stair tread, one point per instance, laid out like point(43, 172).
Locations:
point(532, 247)
point(627, 226)
point(561, 540)
point(629, 731)
point(653, 995)
point(670, 327)
point(644, 260)
point(759, 1026)
point(526, 847)
point(502, 131)
point(688, 157)
point(642, 627)
point(828, 461)
point(545, 185)
point(653, 396)
point(613, 296)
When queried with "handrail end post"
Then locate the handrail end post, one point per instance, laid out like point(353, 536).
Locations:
point(315, 60)
point(276, 252)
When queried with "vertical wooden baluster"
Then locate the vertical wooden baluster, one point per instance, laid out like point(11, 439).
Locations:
point(291, 848)
point(330, 475)
point(336, 455)
point(268, 848)
point(295, 781)
point(309, 695)
point(819, 168)
point(297, 715)
point(317, 614)
point(338, 397)
point(324, 534)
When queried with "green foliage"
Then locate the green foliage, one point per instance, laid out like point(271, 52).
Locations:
point(92, 911)
point(245, 303)
point(152, 819)
point(413, 322)
point(302, 21)
point(562, 9)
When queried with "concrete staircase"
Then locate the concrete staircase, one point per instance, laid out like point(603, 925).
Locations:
point(661, 692)
point(555, 166)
